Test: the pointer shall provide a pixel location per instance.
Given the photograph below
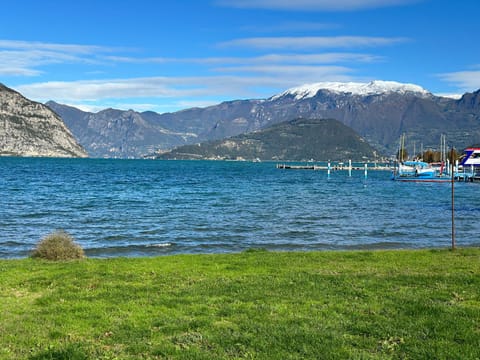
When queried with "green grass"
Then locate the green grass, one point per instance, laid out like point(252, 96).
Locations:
point(422, 304)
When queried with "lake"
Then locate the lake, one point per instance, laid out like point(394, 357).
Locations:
point(149, 208)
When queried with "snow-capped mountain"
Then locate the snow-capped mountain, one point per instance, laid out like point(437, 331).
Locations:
point(379, 111)
point(376, 87)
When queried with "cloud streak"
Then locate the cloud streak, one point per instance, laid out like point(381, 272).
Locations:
point(22, 58)
point(313, 5)
point(311, 72)
point(216, 79)
point(242, 85)
point(312, 42)
point(318, 58)
point(291, 26)
point(57, 48)
point(464, 80)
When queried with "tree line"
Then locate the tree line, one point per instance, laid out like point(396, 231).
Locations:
point(429, 156)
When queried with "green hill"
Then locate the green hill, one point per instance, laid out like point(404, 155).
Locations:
point(296, 140)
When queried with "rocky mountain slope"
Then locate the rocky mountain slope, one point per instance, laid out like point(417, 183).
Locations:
point(116, 133)
point(28, 128)
point(300, 139)
point(382, 111)
point(379, 111)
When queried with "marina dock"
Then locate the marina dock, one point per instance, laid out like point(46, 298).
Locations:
point(461, 175)
point(332, 167)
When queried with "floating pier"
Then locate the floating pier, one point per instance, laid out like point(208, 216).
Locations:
point(297, 167)
point(333, 167)
point(461, 173)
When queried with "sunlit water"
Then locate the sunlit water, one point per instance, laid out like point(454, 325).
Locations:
point(144, 207)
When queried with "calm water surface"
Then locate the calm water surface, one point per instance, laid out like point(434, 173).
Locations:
point(144, 207)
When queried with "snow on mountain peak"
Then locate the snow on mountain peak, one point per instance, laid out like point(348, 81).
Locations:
point(376, 87)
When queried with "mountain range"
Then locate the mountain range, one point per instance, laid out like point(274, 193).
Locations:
point(297, 140)
point(379, 111)
point(28, 128)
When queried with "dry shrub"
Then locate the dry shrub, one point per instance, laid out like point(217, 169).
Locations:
point(58, 245)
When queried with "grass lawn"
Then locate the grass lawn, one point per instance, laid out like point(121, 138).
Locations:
point(416, 304)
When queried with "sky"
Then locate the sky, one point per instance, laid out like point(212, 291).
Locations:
point(167, 56)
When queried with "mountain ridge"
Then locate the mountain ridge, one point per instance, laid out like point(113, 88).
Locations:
point(295, 140)
point(118, 133)
point(375, 87)
point(29, 128)
point(381, 112)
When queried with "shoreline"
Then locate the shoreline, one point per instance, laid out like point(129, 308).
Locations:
point(353, 249)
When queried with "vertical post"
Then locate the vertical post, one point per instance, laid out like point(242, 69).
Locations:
point(453, 207)
point(328, 170)
point(350, 168)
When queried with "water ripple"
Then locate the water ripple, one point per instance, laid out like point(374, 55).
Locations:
point(143, 208)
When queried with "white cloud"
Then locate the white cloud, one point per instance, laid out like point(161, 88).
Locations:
point(12, 70)
point(92, 90)
point(185, 88)
point(312, 42)
point(187, 104)
point(86, 107)
point(219, 79)
point(313, 5)
point(175, 93)
point(310, 72)
point(321, 58)
point(465, 81)
point(449, 95)
point(291, 26)
point(22, 58)
point(58, 48)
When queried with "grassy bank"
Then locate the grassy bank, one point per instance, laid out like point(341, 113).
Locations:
point(259, 305)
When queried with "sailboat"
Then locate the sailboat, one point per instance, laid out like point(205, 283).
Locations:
point(417, 170)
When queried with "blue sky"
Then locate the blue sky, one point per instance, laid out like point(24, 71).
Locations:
point(171, 55)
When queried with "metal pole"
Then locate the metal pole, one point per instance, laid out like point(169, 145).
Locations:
point(453, 207)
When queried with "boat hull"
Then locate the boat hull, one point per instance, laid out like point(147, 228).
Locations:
point(418, 171)
point(418, 179)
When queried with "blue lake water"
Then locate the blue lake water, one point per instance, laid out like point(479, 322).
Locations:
point(148, 208)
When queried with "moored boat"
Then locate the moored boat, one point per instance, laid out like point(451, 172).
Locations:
point(418, 171)
point(470, 165)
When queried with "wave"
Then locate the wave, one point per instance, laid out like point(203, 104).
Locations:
point(130, 250)
point(160, 245)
